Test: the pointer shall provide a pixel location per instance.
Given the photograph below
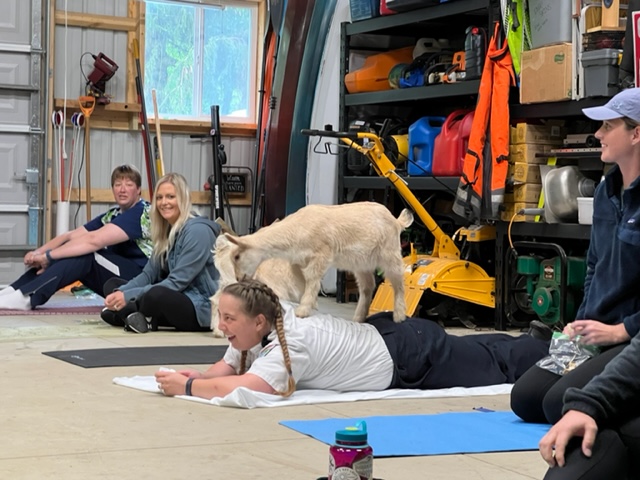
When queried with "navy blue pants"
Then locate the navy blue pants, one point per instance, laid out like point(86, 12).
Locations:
point(65, 271)
point(427, 357)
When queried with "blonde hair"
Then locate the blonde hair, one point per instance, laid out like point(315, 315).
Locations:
point(257, 298)
point(163, 234)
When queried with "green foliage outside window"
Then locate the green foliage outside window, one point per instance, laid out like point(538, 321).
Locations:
point(198, 56)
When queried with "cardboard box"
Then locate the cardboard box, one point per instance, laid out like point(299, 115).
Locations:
point(546, 74)
point(524, 173)
point(527, 153)
point(527, 192)
point(524, 133)
point(511, 208)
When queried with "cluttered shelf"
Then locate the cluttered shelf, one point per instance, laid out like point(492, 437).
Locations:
point(546, 230)
point(385, 23)
point(569, 108)
point(448, 184)
point(447, 90)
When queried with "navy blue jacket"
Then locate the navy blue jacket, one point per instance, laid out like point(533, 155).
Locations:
point(612, 284)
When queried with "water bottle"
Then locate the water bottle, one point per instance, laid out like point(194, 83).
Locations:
point(351, 456)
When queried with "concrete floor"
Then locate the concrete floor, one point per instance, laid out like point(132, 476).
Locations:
point(60, 421)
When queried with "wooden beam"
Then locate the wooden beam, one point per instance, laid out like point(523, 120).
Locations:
point(195, 126)
point(101, 22)
point(110, 107)
point(105, 195)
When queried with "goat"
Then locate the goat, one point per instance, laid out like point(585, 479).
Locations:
point(284, 279)
point(357, 237)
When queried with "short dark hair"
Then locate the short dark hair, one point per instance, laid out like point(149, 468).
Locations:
point(126, 171)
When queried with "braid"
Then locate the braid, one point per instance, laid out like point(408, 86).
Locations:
point(291, 385)
point(243, 363)
point(258, 298)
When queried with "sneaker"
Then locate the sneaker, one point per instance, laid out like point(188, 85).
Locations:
point(540, 330)
point(137, 322)
point(111, 317)
point(15, 300)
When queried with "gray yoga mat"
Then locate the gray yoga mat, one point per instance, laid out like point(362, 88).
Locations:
point(134, 356)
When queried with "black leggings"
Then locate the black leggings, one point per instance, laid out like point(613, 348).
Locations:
point(537, 396)
point(166, 307)
point(616, 455)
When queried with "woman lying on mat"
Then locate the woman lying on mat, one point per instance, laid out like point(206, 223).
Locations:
point(114, 243)
point(174, 288)
point(599, 435)
point(273, 351)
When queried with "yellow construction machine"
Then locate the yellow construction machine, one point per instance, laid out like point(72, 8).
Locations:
point(443, 271)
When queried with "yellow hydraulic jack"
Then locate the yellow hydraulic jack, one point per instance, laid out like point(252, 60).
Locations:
point(443, 271)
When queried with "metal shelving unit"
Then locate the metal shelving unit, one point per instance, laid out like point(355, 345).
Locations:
point(430, 21)
point(448, 184)
point(412, 94)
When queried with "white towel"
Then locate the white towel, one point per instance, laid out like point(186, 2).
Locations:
point(245, 398)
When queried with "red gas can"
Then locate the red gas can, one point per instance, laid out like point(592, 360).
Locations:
point(450, 146)
point(384, 10)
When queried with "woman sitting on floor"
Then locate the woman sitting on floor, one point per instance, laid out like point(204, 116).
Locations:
point(174, 288)
point(273, 351)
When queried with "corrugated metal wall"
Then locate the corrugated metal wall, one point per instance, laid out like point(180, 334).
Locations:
point(110, 148)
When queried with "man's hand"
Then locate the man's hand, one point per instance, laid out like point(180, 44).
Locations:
point(171, 383)
point(573, 424)
point(115, 301)
point(593, 332)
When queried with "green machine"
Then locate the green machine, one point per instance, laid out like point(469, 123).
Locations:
point(554, 285)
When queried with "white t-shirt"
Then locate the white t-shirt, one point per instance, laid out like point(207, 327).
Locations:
point(327, 353)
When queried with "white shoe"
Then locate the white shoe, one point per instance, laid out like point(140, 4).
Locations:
point(15, 301)
point(6, 291)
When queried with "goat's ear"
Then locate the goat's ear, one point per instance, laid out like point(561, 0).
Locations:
point(231, 239)
point(222, 241)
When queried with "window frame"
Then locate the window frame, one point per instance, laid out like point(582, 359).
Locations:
point(188, 124)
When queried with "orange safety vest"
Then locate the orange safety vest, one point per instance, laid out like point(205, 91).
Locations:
point(481, 189)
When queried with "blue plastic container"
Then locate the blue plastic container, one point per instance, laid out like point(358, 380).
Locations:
point(422, 135)
point(363, 9)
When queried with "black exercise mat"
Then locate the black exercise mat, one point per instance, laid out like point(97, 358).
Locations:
point(133, 356)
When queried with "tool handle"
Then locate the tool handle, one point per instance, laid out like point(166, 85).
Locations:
point(329, 133)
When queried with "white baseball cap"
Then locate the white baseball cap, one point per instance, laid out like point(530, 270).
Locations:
point(624, 104)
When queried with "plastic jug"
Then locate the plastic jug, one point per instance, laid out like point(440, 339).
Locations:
point(451, 144)
point(384, 10)
point(374, 74)
point(422, 135)
point(351, 456)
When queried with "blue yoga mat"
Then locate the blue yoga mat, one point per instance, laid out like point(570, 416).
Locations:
point(441, 434)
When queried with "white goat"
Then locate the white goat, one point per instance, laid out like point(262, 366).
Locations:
point(357, 237)
point(284, 279)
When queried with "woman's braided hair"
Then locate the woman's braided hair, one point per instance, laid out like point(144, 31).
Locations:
point(257, 298)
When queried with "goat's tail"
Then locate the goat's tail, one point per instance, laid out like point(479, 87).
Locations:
point(405, 218)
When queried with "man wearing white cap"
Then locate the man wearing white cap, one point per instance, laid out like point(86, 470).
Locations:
point(609, 315)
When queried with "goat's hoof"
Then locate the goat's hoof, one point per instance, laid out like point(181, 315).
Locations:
point(399, 318)
point(302, 312)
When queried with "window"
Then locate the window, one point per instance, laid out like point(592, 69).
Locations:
point(198, 55)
